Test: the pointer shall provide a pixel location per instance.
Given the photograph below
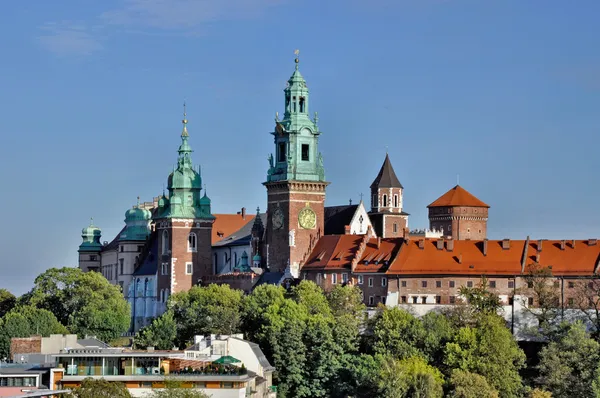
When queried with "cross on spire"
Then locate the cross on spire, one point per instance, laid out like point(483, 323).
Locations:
point(361, 196)
point(184, 133)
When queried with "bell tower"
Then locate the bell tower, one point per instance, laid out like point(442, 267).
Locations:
point(295, 181)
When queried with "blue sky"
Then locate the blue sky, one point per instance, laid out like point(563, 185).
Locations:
point(504, 93)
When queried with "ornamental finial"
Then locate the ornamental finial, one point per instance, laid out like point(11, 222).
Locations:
point(257, 210)
point(184, 133)
point(138, 201)
point(91, 221)
point(297, 60)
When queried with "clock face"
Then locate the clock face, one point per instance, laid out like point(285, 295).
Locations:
point(277, 218)
point(307, 218)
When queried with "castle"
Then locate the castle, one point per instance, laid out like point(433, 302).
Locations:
point(175, 242)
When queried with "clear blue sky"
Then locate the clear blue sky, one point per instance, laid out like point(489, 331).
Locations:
point(505, 93)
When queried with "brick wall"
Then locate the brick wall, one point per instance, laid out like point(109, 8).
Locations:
point(25, 345)
point(394, 225)
point(460, 222)
point(377, 289)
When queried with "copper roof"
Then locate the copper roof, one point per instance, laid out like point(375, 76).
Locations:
point(458, 196)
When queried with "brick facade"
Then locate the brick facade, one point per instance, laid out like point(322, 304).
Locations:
point(291, 242)
point(25, 345)
point(462, 222)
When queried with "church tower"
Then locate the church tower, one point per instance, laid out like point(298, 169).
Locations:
point(295, 181)
point(90, 248)
point(183, 224)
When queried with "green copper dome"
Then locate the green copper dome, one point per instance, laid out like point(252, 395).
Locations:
point(137, 223)
point(91, 238)
point(256, 257)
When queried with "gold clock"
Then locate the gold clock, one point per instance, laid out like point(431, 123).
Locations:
point(307, 218)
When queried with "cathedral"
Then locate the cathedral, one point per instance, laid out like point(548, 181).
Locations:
point(175, 241)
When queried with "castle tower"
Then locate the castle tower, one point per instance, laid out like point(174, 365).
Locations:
point(183, 225)
point(90, 248)
point(258, 233)
point(459, 214)
point(295, 181)
point(386, 203)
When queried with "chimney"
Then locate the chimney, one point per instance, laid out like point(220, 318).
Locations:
point(562, 244)
point(450, 245)
point(243, 213)
point(440, 244)
point(460, 258)
point(540, 245)
point(573, 245)
point(378, 242)
point(592, 242)
point(485, 243)
point(505, 244)
point(524, 256)
point(537, 257)
point(347, 229)
point(421, 244)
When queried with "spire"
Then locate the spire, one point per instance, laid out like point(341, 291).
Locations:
point(297, 60)
point(184, 132)
point(387, 177)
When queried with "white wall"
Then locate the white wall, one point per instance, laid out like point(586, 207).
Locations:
point(241, 350)
point(358, 228)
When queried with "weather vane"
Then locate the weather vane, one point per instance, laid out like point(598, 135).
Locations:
point(297, 53)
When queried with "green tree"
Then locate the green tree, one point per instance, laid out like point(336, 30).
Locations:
point(357, 377)
point(24, 322)
point(439, 331)
point(349, 312)
point(397, 333)
point(411, 377)
point(481, 299)
point(161, 334)
point(537, 393)
point(99, 388)
point(173, 389)
point(311, 296)
point(7, 301)
point(568, 365)
point(212, 309)
point(83, 301)
point(490, 350)
point(254, 307)
point(540, 286)
point(587, 299)
point(465, 384)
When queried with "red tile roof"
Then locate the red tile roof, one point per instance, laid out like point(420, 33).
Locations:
point(580, 259)
point(458, 196)
point(226, 224)
point(333, 251)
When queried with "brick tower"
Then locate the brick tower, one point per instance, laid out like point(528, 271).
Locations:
point(295, 182)
point(386, 203)
point(183, 225)
point(459, 214)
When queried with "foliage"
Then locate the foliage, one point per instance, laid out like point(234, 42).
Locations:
point(99, 388)
point(215, 309)
point(537, 393)
point(411, 377)
point(349, 312)
point(256, 304)
point(397, 333)
point(489, 350)
point(160, 334)
point(568, 366)
point(310, 295)
point(465, 384)
point(588, 301)
point(7, 301)
point(480, 299)
point(545, 296)
point(85, 302)
point(173, 389)
point(24, 322)
point(357, 377)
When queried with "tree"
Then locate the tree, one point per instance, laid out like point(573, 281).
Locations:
point(411, 377)
point(568, 365)
point(439, 331)
point(255, 305)
point(99, 388)
point(25, 322)
point(161, 334)
point(490, 350)
point(310, 295)
point(349, 313)
point(173, 389)
point(212, 309)
point(357, 377)
point(465, 384)
point(545, 296)
point(397, 334)
point(537, 393)
point(587, 299)
point(83, 301)
point(481, 299)
point(7, 301)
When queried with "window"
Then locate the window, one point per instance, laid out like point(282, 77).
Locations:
point(384, 281)
point(530, 301)
point(189, 268)
point(511, 300)
point(281, 152)
point(318, 278)
point(571, 285)
point(590, 285)
point(395, 200)
point(383, 299)
point(334, 278)
point(370, 282)
point(449, 227)
point(415, 298)
point(403, 283)
point(360, 279)
point(384, 201)
point(164, 269)
point(344, 278)
point(424, 300)
point(438, 284)
point(451, 284)
point(302, 102)
point(452, 299)
point(423, 283)
point(294, 102)
point(438, 299)
point(371, 300)
point(165, 242)
point(192, 242)
point(470, 284)
point(395, 228)
point(493, 284)
point(139, 249)
point(121, 261)
point(121, 248)
point(511, 284)
point(93, 258)
point(529, 285)
point(403, 299)
point(305, 156)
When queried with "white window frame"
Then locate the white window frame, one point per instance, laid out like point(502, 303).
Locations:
point(360, 279)
point(189, 268)
point(192, 242)
point(370, 282)
point(344, 277)
point(371, 300)
point(334, 278)
point(318, 278)
point(383, 281)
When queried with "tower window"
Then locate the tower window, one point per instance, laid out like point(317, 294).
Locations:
point(395, 228)
point(384, 200)
point(305, 156)
point(192, 242)
point(395, 200)
point(165, 242)
point(302, 104)
point(188, 268)
point(294, 100)
point(281, 152)
point(287, 102)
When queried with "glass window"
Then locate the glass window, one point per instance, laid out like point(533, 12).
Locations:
point(370, 282)
point(192, 242)
point(452, 299)
point(189, 268)
point(470, 284)
point(371, 300)
point(451, 284)
point(403, 283)
point(493, 284)
point(360, 279)
point(305, 152)
point(511, 284)
point(281, 152)
point(438, 284)
point(344, 278)
point(334, 278)
point(423, 283)
point(403, 299)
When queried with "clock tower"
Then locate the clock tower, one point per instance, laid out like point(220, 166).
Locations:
point(295, 181)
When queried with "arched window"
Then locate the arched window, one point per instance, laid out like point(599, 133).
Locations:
point(384, 201)
point(165, 242)
point(395, 200)
point(192, 242)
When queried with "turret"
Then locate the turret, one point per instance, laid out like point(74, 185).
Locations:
point(90, 248)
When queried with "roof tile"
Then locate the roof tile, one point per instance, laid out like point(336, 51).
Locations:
point(458, 196)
